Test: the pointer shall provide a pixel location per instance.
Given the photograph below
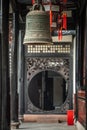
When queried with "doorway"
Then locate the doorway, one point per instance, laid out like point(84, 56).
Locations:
point(47, 90)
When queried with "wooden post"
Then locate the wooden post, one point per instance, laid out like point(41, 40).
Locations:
point(85, 56)
point(4, 67)
point(14, 74)
point(21, 74)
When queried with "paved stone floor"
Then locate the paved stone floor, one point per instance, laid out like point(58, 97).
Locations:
point(46, 126)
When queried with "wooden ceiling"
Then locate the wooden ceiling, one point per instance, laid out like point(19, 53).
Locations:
point(23, 6)
point(29, 2)
point(70, 4)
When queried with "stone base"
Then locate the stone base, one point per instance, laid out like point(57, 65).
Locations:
point(15, 125)
point(45, 118)
point(21, 118)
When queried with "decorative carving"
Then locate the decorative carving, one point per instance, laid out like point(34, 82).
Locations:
point(36, 65)
point(42, 49)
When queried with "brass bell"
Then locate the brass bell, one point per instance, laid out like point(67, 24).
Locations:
point(37, 27)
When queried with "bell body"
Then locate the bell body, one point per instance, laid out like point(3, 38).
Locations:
point(37, 28)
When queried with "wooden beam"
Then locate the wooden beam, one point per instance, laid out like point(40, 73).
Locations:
point(67, 38)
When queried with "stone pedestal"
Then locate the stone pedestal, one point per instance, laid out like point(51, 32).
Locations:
point(21, 118)
point(15, 125)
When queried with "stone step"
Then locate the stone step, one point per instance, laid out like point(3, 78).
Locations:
point(45, 118)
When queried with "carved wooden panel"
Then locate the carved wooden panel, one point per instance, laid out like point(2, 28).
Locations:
point(36, 65)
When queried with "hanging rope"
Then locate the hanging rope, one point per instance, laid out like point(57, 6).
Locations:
point(50, 13)
point(33, 1)
point(64, 17)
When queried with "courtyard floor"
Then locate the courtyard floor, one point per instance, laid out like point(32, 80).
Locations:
point(46, 126)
